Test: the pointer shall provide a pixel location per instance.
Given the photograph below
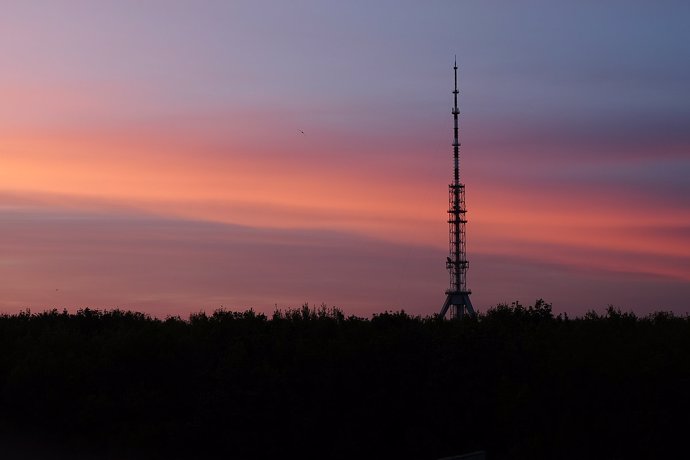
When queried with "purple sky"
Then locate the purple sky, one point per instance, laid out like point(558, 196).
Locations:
point(151, 155)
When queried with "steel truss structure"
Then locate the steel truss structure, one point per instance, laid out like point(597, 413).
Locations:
point(458, 296)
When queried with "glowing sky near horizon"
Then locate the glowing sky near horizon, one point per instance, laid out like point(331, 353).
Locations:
point(151, 153)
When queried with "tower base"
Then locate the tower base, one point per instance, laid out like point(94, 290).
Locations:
point(462, 303)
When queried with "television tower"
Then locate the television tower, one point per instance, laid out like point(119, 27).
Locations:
point(458, 296)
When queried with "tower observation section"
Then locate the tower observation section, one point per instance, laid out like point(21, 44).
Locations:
point(457, 296)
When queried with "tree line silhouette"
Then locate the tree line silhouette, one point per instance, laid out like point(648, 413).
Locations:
point(518, 382)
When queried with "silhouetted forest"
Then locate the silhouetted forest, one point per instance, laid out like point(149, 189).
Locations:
point(517, 382)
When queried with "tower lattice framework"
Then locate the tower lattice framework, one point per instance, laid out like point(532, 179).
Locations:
point(457, 296)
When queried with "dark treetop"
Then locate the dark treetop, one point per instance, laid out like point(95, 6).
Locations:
point(516, 382)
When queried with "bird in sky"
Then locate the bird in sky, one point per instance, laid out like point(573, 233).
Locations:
point(300, 131)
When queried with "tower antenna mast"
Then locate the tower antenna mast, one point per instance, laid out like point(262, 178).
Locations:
point(457, 296)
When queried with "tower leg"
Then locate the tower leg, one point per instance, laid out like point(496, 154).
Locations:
point(445, 307)
point(462, 303)
point(468, 304)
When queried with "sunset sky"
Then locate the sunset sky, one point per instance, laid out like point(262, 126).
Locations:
point(151, 153)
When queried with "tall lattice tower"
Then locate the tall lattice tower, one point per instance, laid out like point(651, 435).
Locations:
point(458, 296)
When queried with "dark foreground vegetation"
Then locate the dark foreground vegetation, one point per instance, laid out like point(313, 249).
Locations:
point(516, 382)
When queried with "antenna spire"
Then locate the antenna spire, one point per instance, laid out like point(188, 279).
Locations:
point(458, 296)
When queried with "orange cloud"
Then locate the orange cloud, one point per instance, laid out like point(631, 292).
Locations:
point(222, 168)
